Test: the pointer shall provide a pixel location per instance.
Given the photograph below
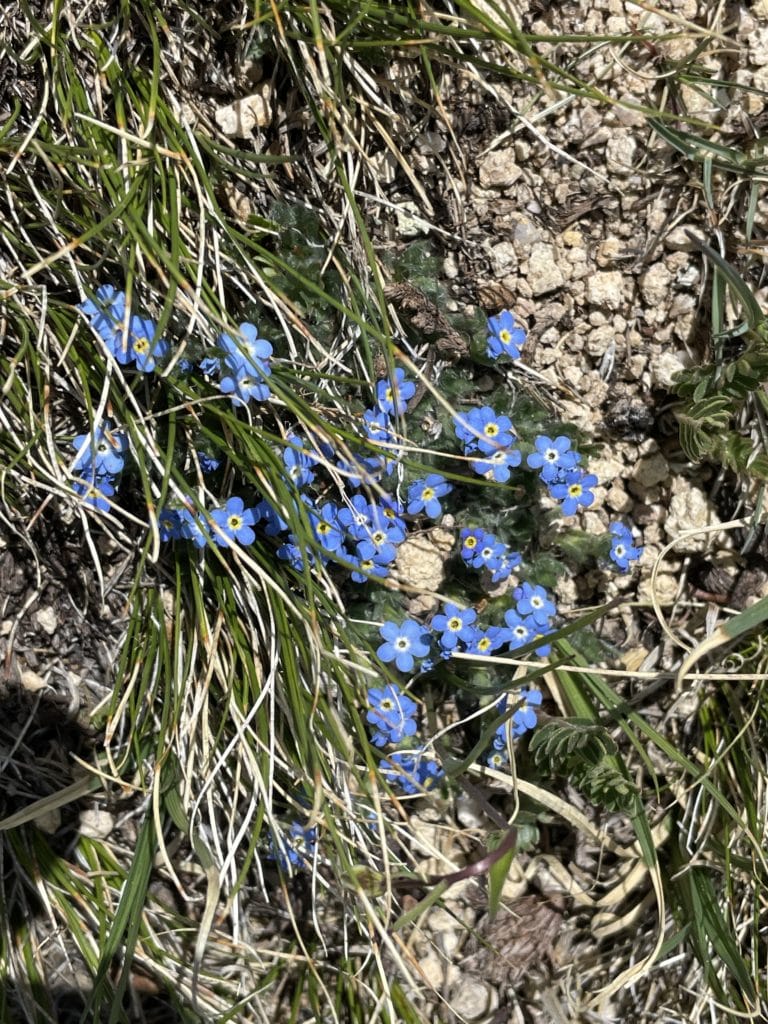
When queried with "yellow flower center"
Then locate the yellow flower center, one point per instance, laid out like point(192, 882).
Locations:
point(140, 346)
point(428, 494)
point(505, 335)
point(491, 429)
point(470, 542)
point(483, 644)
point(235, 523)
point(455, 624)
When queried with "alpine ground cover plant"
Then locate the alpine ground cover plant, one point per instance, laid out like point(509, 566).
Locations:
point(355, 535)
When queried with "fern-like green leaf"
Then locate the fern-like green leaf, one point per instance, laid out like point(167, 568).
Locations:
point(695, 440)
point(607, 787)
point(556, 746)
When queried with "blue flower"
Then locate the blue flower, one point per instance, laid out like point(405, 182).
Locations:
point(392, 509)
point(509, 561)
point(169, 524)
point(393, 714)
point(378, 426)
point(403, 643)
point(486, 641)
point(298, 464)
point(293, 554)
point(424, 495)
point(392, 395)
point(379, 531)
point(383, 522)
point(100, 453)
point(297, 849)
point(144, 348)
point(248, 354)
point(504, 337)
point(523, 629)
point(552, 456)
point(244, 386)
point(109, 304)
point(95, 491)
point(410, 770)
point(367, 563)
point(576, 490)
point(377, 550)
point(235, 522)
point(525, 718)
point(274, 523)
point(357, 516)
point(454, 625)
point(488, 553)
point(534, 601)
point(483, 430)
point(497, 467)
point(471, 538)
point(210, 366)
point(497, 759)
point(208, 463)
point(325, 526)
point(107, 316)
point(622, 550)
point(193, 526)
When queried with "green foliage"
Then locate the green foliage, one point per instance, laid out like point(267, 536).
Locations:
point(585, 753)
point(697, 898)
point(580, 549)
point(556, 744)
point(419, 265)
point(302, 243)
point(715, 393)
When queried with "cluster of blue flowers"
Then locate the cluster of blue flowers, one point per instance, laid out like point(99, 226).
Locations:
point(524, 719)
point(413, 647)
point(559, 469)
point(242, 365)
point(453, 630)
point(99, 461)
point(392, 716)
point(128, 337)
point(489, 442)
point(360, 534)
point(481, 550)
